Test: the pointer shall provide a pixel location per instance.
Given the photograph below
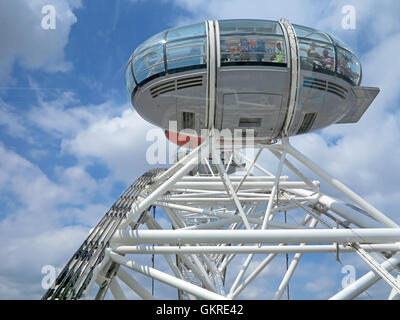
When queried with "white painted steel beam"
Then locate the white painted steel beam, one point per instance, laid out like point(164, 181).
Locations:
point(375, 213)
point(341, 209)
point(291, 269)
point(389, 235)
point(275, 187)
point(165, 277)
point(246, 185)
point(230, 188)
point(177, 173)
point(116, 290)
point(149, 249)
point(134, 285)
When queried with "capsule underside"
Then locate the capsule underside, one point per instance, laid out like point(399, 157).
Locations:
point(273, 77)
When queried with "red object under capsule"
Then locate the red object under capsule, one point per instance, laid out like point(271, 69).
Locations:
point(183, 139)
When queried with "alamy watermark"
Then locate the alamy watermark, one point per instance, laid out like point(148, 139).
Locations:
point(349, 20)
point(50, 275)
point(350, 276)
point(49, 19)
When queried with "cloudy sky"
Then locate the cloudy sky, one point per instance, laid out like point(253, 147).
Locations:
point(70, 142)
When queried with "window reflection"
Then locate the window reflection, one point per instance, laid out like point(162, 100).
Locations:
point(186, 53)
point(155, 69)
point(187, 62)
point(130, 82)
point(317, 56)
point(148, 59)
point(348, 66)
point(252, 49)
point(249, 26)
point(154, 40)
point(340, 43)
point(194, 30)
point(312, 34)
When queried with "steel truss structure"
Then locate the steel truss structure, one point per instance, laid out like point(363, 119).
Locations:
point(216, 217)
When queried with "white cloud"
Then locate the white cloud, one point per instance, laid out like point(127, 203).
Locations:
point(16, 172)
point(32, 231)
point(20, 273)
point(24, 41)
point(119, 142)
point(378, 16)
point(43, 219)
point(64, 117)
point(111, 133)
point(11, 122)
point(321, 286)
point(257, 9)
point(30, 195)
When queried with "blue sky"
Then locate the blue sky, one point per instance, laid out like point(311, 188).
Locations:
point(70, 142)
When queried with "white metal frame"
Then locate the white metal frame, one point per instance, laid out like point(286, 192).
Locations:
point(215, 218)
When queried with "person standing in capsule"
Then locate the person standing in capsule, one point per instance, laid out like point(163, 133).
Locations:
point(327, 61)
point(278, 56)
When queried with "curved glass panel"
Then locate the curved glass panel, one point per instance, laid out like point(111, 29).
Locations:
point(186, 48)
point(153, 70)
point(340, 42)
point(186, 53)
point(154, 40)
point(252, 48)
point(129, 81)
point(308, 33)
point(317, 56)
point(194, 30)
point(147, 59)
point(183, 63)
point(148, 52)
point(349, 66)
point(249, 26)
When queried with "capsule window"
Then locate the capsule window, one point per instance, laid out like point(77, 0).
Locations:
point(153, 70)
point(194, 30)
point(252, 49)
point(129, 81)
point(349, 66)
point(186, 53)
point(188, 48)
point(317, 56)
point(148, 60)
point(340, 43)
point(154, 40)
point(312, 34)
point(249, 26)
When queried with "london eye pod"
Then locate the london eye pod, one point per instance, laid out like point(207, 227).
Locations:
point(279, 80)
point(273, 77)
